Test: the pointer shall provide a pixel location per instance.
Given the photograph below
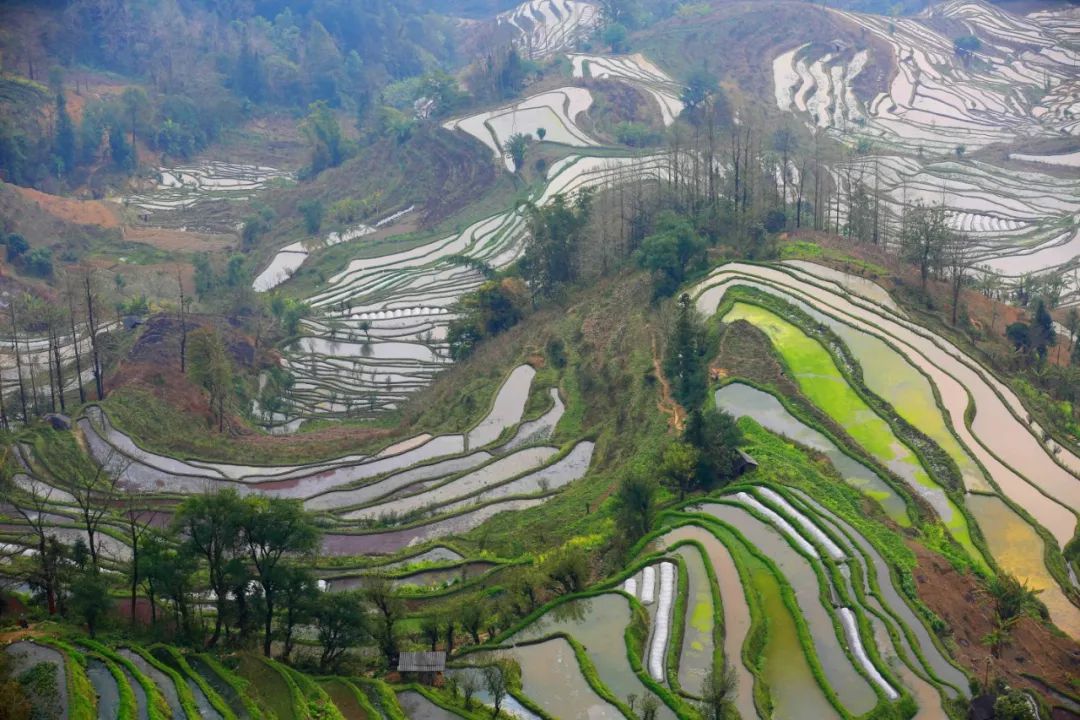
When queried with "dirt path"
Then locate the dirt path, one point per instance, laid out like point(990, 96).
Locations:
point(666, 404)
point(13, 636)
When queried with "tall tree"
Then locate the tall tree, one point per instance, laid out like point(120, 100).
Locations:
point(298, 597)
point(66, 150)
point(924, 237)
point(557, 231)
point(635, 501)
point(679, 467)
point(92, 331)
point(497, 686)
point(94, 487)
point(76, 341)
point(380, 593)
point(668, 253)
point(90, 598)
point(516, 147)
point(138, 521)
point(716, 436)
point(211, 367)
point(329, 147)
point(341, 624)
point(958, 261)
point(274, 529)
point(182, 312)
point(35, 511)
point(18, 359)
point(209, 527)
point(685, 362)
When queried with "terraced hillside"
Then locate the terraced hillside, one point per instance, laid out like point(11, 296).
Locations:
point(1015, 87)
point(780, 494)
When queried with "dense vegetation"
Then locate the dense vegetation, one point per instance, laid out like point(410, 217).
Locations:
point(600, 309)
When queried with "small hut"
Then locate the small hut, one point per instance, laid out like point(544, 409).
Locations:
point(425, 667)
point(744, 464)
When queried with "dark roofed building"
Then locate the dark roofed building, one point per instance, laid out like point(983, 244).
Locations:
point(744, 464)
point(425, 665)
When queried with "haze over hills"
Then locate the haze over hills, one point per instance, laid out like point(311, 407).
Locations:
point(564, 359)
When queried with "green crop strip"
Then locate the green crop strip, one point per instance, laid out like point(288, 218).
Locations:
point(823, 595)
point(238, 685)
point(829, 576)
point(183, 692)
point(211, 695)
point(317, 703)
point(387, 700)
point(354, 692)
point(82, 699)
point(785, 464)
point(156, 706)
point(806, 414)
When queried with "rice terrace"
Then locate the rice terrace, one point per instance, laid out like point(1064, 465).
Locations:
point(598, 359)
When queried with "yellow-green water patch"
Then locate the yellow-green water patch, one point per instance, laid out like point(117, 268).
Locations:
point(696, 658)
point(889, 375)
point(1019, 550)
point(744, 400)
point(824, 385)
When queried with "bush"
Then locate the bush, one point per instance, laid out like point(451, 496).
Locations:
point(636, 134)
point(312, 212)
point(16, 246)
point(40, 262)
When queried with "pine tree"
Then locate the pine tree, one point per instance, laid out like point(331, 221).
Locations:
point(65, 136)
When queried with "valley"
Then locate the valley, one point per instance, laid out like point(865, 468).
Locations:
point(553, 360)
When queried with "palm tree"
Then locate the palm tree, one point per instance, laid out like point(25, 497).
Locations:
point(1013, 599)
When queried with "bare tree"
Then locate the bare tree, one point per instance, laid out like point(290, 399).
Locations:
point(137, 521)
point(92, 329)
point(93, 491)
point(958, 261)
point(497, 686)
point(18, 357)
point(718, 692)
point(70, 292)
point(34, 510)
point(183, 323)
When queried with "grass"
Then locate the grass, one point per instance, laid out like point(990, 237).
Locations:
point(231, 688)
point(806, 250)
point(183, 692)
point(319, 704)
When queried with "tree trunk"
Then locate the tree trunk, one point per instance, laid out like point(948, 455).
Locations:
point(52, 377)
point(59, 372)
point(75, 343)
point(18, 360)
point(183, 327)
point(47, 574)
point(268, 626)
point(100, 385)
